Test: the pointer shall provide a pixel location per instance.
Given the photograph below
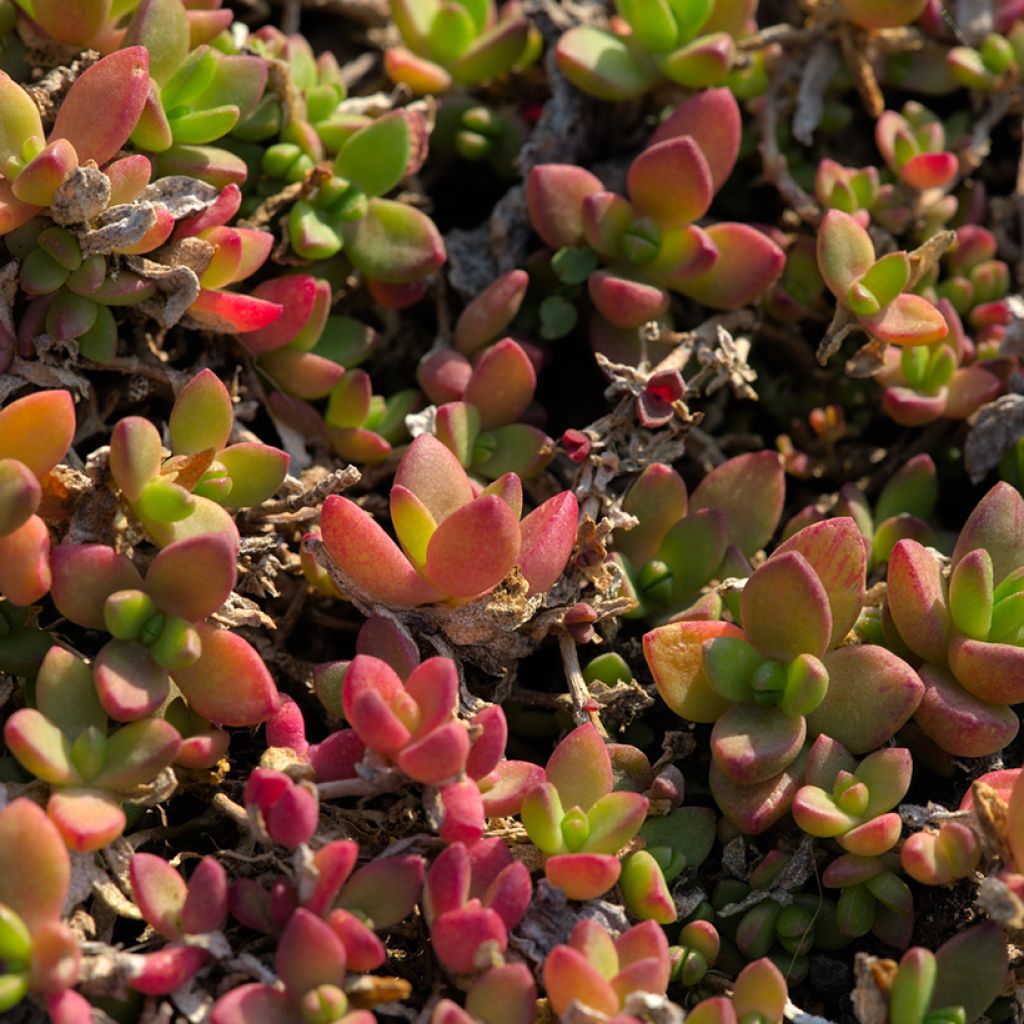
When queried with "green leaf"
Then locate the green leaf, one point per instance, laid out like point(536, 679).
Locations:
point(557, 317)
point(375, 159)
point(653, 23)
point(574, 264)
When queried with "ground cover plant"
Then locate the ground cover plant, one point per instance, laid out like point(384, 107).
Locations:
point(511, 514)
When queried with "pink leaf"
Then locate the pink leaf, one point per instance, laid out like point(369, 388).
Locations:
point(624, 302)
point(907, 320)
point(490, 312)
point(252, 1004)
point(206, 905)
point(554, 199)
point(434, 475)
point(504, 789)
point(959, 722)
point(118, 85)
point(458, 935)
point(229, 684)
point(916, 597)
point(176, 588)
point(24, 562)
point(502, 384)
point(309, 954)
point(364, 950)
point(437, 758)
point(463, 819)
point(671, 182)
point(334, 863)
point(447, 884)
point(473, 549)
point(712, 119)
point(87, 819)
point(489, 746)
point(232, 312)
point(748, 264)
point(33, 887)
point(548, 537)
point(434, 686)
point(167, 969)
point(296, 293)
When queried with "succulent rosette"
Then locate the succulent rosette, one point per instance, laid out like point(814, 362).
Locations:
point(646, 247)
point(777, 679)
point(965, 630)
point(456, 541)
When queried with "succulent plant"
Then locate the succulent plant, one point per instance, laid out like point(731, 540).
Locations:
point(873, 290)
point(911, 144)
point(850, 802)
point(66, 741)
point(692, 46)
point(456, 543)
point(34, 168)
point(473, 896)
point(577, 820)
point(190, 493)
point(634, 253)
point(175, 909)
point(39, 953)
point(600, 971)
point(964, 629)
point(777, 680)
point(35, 434)
point(923, 382)
point(730, 516)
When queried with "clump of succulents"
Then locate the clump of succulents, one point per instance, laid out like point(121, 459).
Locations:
point(248, 477)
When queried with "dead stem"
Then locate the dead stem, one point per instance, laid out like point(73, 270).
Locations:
point(226, 806)
point(774, 165)
point(584, 708)
point(855, 52)
point(312, 497)
point(383, 782)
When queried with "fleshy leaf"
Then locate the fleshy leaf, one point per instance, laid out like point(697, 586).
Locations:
point(580, 769)
point(370, 558)
point(747, 265)
point(229, 683)
point(871, 694)
point(37, 430)
point(554, 198)
point(548, 536)
point(835, 551)
point(33, 887)
point(845, 252)
point(785, 609)
point(750, 490)
point(202, 416)
point(671, 182)
point(472, 549)
point(712, 119)
point(118, 84)
point(394, 243)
